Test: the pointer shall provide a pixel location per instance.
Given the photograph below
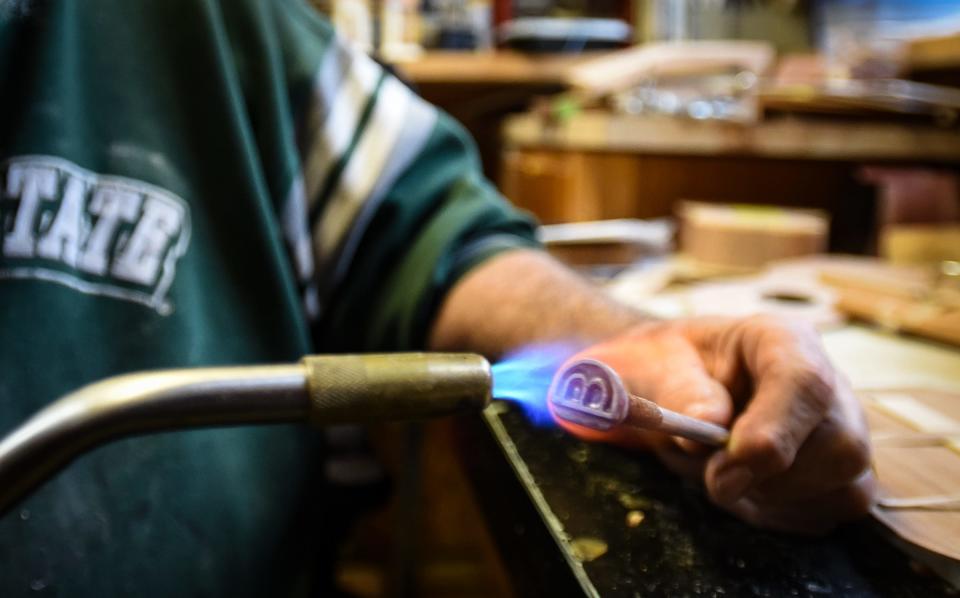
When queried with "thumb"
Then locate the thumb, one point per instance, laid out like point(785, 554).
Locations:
point(694, 393)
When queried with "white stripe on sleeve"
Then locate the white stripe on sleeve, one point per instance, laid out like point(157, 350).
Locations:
point(399, 117)
point(296, 230)
point(327, 145)
point(418, 125)
point(363, 167)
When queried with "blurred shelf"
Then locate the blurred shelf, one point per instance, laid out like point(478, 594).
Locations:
point(497, 67)
point(793, 138)
point(934, 53)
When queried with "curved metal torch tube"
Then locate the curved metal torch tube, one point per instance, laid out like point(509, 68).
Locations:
point(322, 389)
point(141, 403)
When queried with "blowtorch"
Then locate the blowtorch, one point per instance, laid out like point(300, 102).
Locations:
point(321, 390)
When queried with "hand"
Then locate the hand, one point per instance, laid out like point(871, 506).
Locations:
point(798, 457)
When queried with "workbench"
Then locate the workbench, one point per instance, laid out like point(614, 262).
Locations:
point(599, 164)
point(544, 493)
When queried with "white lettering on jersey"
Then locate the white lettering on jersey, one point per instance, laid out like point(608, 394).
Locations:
point(62, 240)
point(140, 260)
point(112, 207)
point(102, 235)
point(30, 183)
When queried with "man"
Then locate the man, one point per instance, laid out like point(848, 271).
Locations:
point(197, 182)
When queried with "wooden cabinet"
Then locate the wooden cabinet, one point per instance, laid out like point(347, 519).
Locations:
point(600, 166)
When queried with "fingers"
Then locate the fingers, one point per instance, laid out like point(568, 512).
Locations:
point(795, 394)
point(798, 457)
point(674, 376)
point(788, 405)
point(835, 453)
point(813, 516)
point(831, 458)
point(692, 392)
point(681, 461)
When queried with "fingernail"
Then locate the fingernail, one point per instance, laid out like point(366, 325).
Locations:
point(688, 446)
point(732, 484)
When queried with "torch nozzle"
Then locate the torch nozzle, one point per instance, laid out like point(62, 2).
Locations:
point(395, 386)
point(590, 394)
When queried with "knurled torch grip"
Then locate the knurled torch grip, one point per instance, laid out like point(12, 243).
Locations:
point(393, 387)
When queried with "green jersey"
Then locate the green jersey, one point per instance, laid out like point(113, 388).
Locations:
point(200, 182)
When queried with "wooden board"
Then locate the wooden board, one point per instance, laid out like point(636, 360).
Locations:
point(899, 298)
point(749, 236)
point(911, 471)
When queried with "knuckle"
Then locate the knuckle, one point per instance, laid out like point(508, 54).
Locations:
point(852, 455)
point(773, 448)
point(814, 388)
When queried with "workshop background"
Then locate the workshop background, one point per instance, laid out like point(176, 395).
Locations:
point(757, 130)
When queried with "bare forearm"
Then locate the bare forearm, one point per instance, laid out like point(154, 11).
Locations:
point(521, 297)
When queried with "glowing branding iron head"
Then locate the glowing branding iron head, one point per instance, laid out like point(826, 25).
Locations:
point(591, 394)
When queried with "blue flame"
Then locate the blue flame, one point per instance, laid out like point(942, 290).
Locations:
point(524, 377)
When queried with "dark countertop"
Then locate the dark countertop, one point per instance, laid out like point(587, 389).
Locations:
point(542, 489)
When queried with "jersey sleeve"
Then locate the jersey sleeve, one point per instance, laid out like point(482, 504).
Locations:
point(389, 207)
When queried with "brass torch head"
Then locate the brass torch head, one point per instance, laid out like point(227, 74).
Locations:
point(589, 393)
point(399, 386)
